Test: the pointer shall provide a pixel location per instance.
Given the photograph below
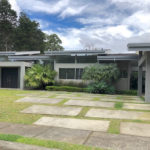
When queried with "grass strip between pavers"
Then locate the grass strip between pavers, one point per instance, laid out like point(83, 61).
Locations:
point(45, 143)
point(118, 105)
point(114, 127)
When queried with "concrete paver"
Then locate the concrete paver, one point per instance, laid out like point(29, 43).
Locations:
point(118, 142)
point(138, 129)
point(137, 106)
point(83, 124)
point(75, 136)
point(4, 145)
point(52, 110)
point(65, 135)
point(90, 103)
point(118, 114)
point(40, 100)
point(23, 130)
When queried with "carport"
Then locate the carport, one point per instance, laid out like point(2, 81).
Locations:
point(12, 74)
point(144, 60)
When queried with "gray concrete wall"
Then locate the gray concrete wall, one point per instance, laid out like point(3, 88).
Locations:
point(124, 83)
point(21, 70)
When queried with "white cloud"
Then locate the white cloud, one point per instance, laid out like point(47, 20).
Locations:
point(42, 23)
point(72, 11)
point(15, 6)
point(108, 24)
point(140, 19)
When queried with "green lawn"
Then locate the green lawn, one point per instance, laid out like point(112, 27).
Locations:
point(10, 110)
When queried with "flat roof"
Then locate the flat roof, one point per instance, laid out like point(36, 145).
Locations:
point(29, 58)
point(138, 46)
point(122, 57)
point(77, 52)
point(14, 53)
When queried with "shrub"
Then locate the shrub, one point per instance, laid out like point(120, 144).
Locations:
point(38, 76)
point(128, 92)
point(101, 72)
point(101, 88)
point(65, 88)
point(71, 83)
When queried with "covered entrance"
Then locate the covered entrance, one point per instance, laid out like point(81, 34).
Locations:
point(12, 74)
point(143, 64)
point(10, 77)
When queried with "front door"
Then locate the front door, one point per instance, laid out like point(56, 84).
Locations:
point(9, 78)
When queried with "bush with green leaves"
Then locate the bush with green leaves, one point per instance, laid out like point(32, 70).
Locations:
point(101, 72)
point(101, 77)
point(101, 88)
point(65, 88)
point(38, 76)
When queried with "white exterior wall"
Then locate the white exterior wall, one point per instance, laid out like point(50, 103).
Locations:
point(121, 84)
point(69, 65)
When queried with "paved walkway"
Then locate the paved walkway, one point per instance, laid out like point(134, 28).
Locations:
point(4, 145)
point(85, 137)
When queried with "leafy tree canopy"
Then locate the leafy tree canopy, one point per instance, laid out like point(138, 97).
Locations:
point(8, 21)
point(53, 43)
point(101, 72)
point(38, 76)
point(28, 35)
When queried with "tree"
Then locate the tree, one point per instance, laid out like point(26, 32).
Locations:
point(8, 20)
point(53, 43)
point(28, 35)
point(38, 76)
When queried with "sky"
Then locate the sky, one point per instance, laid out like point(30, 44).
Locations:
point(91, 24)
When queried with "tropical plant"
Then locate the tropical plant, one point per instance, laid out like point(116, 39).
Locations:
point(101, 72)
point(38, 76)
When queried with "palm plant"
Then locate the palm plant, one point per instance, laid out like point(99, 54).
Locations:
point(38, 76)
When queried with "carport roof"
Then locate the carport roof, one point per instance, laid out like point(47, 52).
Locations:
point(138, 46)
point(14, 53)
point(120, 57)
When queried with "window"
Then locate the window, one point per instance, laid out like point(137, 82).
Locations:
point(70, 73)
point(66, 73)
point(79, 73)
point(123, 74)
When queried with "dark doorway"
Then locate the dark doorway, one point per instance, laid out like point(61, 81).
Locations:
point(9, 78)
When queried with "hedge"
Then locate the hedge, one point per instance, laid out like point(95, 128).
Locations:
point(65, 88)
point(127, 92)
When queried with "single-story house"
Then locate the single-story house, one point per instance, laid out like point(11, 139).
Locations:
point(68, 64)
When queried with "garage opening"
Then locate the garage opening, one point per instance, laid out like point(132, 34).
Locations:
point(9, 78)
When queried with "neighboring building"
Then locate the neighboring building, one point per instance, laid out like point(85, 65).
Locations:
point(68, 64)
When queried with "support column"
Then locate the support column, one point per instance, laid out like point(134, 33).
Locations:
point(0, 77)
point(147, 80)
point(22, 74)
point(140, 76)
point(140, 81)
point(129, 75)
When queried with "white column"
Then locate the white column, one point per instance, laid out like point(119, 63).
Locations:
point(140, 77)
point(129, 75)
point(147, 80)
point(0, 77)
point(22, 74)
